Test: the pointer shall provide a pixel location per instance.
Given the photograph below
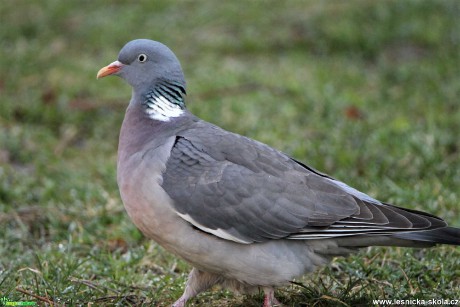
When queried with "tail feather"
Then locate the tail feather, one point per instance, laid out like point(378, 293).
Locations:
point(446, 235)
point(421, 238)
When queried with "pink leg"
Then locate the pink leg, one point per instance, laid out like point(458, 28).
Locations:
point(198, 281)
point(270, 299)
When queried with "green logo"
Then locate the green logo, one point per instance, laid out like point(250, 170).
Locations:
point(4, 301)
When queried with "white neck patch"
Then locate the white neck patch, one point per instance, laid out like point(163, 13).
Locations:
point(160, 108)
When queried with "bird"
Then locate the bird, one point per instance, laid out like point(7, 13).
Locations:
point(244, 215)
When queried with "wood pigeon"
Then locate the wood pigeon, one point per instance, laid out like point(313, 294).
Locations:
point(244, 215)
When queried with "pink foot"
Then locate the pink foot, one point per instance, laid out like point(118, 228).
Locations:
point(270, 299)
point(179, 303)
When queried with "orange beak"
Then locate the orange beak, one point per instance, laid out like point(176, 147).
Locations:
point(109, 69)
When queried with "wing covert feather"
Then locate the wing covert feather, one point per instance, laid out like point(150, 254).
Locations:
point(241, 192)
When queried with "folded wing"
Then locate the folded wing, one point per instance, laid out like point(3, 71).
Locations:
point(242, 190)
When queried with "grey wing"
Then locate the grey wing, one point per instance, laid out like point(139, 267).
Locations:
point(242, 190)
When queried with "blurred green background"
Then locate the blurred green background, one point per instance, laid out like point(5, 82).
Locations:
point(366, 91)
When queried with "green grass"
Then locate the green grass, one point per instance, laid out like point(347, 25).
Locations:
point(367, 91)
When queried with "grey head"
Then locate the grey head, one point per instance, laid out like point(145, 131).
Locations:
point(144, 63)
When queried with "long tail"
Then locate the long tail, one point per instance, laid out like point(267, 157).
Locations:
point(423, 238)
point(446, 235)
